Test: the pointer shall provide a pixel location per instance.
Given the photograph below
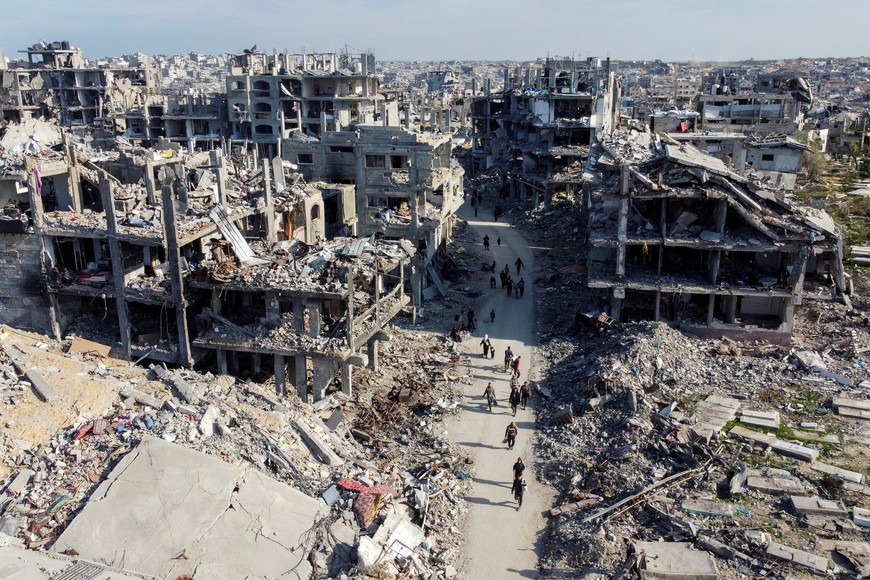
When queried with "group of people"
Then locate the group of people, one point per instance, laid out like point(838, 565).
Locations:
point(463, 322)
point(517, 288)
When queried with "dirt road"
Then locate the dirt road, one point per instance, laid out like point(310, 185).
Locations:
point(500, 539)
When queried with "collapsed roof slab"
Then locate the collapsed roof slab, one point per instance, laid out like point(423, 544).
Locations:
point(167, 510)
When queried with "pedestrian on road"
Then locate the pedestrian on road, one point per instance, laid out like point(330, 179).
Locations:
point(475, 211)
point(486, 243)
point(521, 286)
point(492, 316)
point(525, 394)
point(632, 558)
point(496, 212)
point(498, 240)
point(516, 290)
point(492, 268)
point(485, 344)
point(508, 358)
point(492, 281)
point(515, 383)
point(491, 349)
point(515, 365)
point(509, 285)
point(519, 467)
point(471, 324)
point(519, 264)
point(518, 489)
point(510, 435)
point(504, 278)
point(489, 394)
point(514, 400)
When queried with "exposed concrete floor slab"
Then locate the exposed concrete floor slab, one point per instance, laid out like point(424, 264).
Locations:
point(167, 510)
point(20, 564)
point(676, 560)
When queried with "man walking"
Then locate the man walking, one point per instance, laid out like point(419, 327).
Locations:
point(521, 287)
point(492, 316)
point(489, 394)
point(519, 264)
point(509, 285)
point(508, 358)
point(486, 243)
point(471, 325)
point(514, 400)
point(515, 365)
point(510, 435)
point(525, 394)
point(518, 489)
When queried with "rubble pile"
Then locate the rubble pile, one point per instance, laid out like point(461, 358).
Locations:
point(379, 460)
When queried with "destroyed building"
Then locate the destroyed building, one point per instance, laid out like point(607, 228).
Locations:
point(540, 129)
point(270, 96)
point(407, 186)
point(676, 236)
point(103, 102)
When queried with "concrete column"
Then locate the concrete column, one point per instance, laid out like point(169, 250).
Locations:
point(74, 179)
point(217, 160)
point(233, 356)
point(324, 370)
point(730, 309)
point(280, 375)
point(347, 378)
point(256, 361)
point(150, 184)
point(298, 315)
point(314, 317)
point(657, 315)
point(301, 378)
point(273, 310)
point(710, 309)
point(738, 156)
point(173, 254)
point(221, 356)
point(269, 211)
point(117, 264)
point(373, 355)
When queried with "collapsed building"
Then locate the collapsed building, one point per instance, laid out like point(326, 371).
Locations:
point(541, 128)
point(676, 236)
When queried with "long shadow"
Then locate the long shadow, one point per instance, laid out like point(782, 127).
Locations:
point(470, 444)
point(481, 408)
point(492, 482)
point(484, 501)
point(525, 573)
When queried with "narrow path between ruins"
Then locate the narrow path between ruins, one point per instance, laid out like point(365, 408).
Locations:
point(500, 540)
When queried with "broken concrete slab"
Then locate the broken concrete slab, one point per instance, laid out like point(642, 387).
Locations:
point(18, 483)
point(321, 451)
point(708, 507)
point(676, 560)
point(43, 389)
point(855, 408)
point(17, 563)
point(857, 554)
point(817, 505)
point(765, 419)
point(797, 557)
point(819, 438)
point(141, 398)
point(861, 517)
point(838, 472)
point(772, 482)
point(177, 511)
point(795, 450)
point(712, 414)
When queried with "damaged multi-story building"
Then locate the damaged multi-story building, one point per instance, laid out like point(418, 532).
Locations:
point(676, 236)
point(104, 102)
point(540, 129)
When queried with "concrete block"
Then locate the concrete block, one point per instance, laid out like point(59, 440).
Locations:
point(45, 391)
point(766, 419)
point(795, 450)
point(752, 436)
point(797, 557)
point(818, 506)
point(861, 517)
point(771, 484)
point(708, 507)
point(838, 472)
point(331, 496)
point(19, 482)
point(676, 560)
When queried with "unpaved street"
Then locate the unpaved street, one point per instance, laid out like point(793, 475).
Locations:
point(500, 540)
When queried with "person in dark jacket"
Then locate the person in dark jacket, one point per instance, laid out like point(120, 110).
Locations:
point(514, 400)
point(510, 435)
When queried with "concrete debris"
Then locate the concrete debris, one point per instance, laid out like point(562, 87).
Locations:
point(797, 557)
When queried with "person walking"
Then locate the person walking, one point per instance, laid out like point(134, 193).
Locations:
point(492, 316)
point(504, 278)
point(492, 281)
point(519, 265)
point(518, 468)
point(489, 394)
point(471, 325)
point(518, 489)
point(486, 243)
point(510, 435)
point(525, 394)
point(515, 365)
point(492, 268)
point(491, 350)
point(508, 358)
point(498, 240)
point(485, 344)
point(514, 400)
point(521, 286)
point(516, 291)
point(509, 285)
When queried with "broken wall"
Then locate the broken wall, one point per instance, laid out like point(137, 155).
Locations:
point(22, 302)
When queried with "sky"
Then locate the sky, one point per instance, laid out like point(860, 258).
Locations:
point(670, 30)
